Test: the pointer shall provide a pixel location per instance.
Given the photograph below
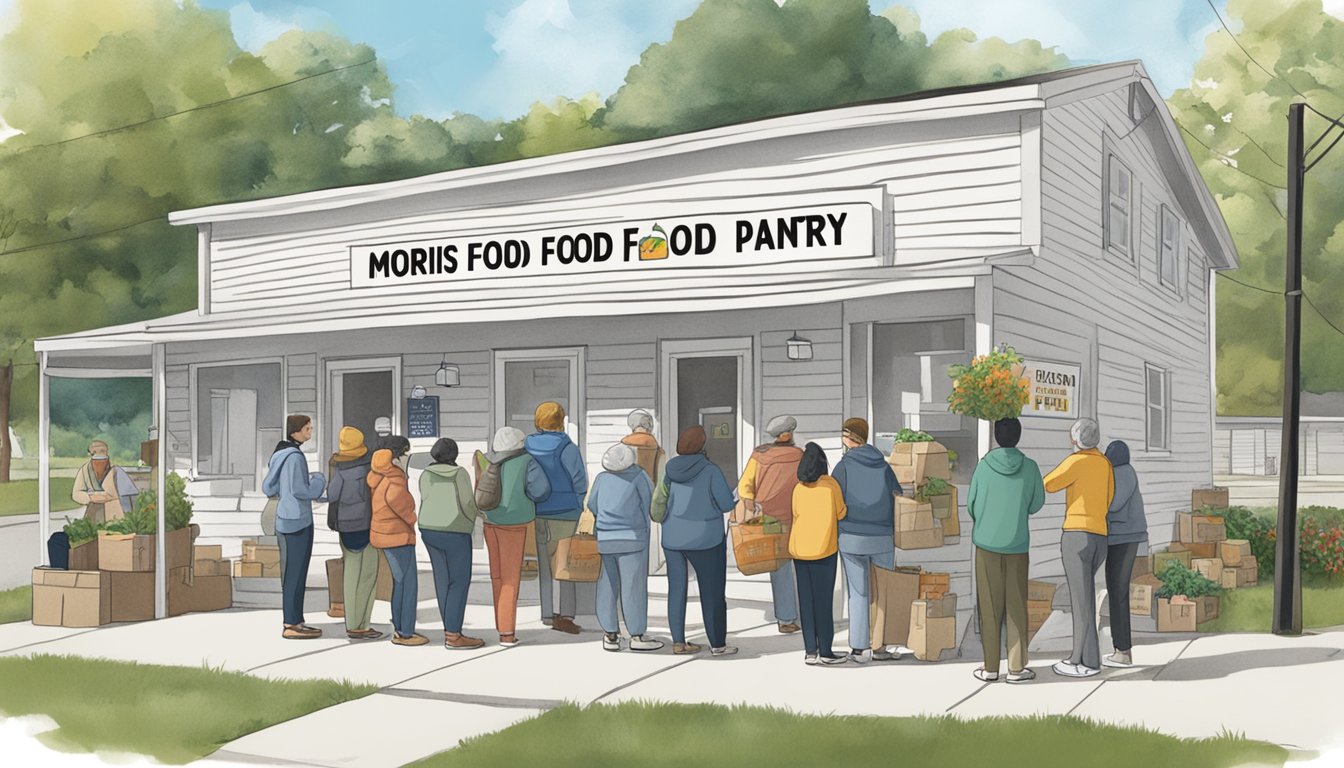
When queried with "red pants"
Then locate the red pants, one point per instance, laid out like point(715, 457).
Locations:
point(505, 544)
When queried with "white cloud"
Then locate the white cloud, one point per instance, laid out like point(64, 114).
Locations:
point(1334, 8)
point(254, 29)
point(8, 131)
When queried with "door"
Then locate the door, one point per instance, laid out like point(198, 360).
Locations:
point(526, 378)
point(361, 392)
point(706, 382)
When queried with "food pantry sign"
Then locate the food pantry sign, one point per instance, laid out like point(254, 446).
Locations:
point(822, 232)
point(1053, 389)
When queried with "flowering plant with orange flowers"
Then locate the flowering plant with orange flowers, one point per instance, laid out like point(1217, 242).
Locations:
point(992, 387)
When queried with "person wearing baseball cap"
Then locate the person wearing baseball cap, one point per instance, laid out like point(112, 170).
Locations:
point(766, 488)
point(104, 490)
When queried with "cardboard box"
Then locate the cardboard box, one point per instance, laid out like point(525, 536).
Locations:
point(382, 589)
point(1037, 612)
point(266, 554)
point(952, 523)
point(1233, 551)
point(1210, 568)
point(1198, 551)
point(944, 506)
point(245, 570)
point(943, 607)
point(929, 637)
point(1142, 593)
point(912, 515)
point(84, 557)
point(1143, 565)
point(920, 461)
point(1161, 560)
point(202, 593)
point(177, 547)
point(1206, 608)
point(1041, 591)
point(926, 539)
point(70, 598)
point(890, 595)
point(906, 476)
point(125, 552)
point(1212, 496)
point(211, 568)
point(208, 552)
point(274, 572)
point(1194, 528)
point(1175, 617)
point(1240, 576)
point(132, 594)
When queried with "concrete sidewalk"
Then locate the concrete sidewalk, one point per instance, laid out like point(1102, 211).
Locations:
point(1275, 689)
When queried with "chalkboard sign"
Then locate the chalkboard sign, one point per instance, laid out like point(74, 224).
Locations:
point(422, 416)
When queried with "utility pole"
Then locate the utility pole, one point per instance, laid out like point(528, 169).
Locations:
point(1287, 575)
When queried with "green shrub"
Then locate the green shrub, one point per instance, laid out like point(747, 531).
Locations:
point(1180, 580)
point(80, 531)
point(913, 436)
point(934, 486)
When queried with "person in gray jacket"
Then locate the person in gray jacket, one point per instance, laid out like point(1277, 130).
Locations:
point(619, 503)
point(349, 513)
point(1126, 530)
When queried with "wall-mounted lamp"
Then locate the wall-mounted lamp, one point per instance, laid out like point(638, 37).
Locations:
point(799, 348)
point(418, 392)
point(447, 375)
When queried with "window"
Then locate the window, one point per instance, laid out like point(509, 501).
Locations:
point(1119, 194)
point(1168, 246)
point(1159, 408)
point(239, 410)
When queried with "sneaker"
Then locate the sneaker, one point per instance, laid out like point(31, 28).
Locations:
point(830, 659)
point(565, 624)
point(788, 629)
point(364, 634)
point(611, 641)
point(417, 639)
point(1120, 659)
point(986, 677)
point(1066, 669)
point(1021, 677)
point(724, 650)
point(460, 642)
point(882, 654)
point(642, 643)
point(301, 632)
point(861, 657)
point(686, 648)
point(810, 659)
point(508, 641)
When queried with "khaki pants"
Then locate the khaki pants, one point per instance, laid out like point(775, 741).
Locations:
point(1001, 593)
point(359, 583)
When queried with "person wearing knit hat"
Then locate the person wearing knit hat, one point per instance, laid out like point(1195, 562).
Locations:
point(868, 530)
point(350, 513)
point(766, 488)
point(105, 490)
point(558, 513)
point(618, 506)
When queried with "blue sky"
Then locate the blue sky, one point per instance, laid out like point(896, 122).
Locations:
point(494, 58)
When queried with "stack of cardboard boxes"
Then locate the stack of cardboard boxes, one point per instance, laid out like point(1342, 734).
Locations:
point(261, 560)
point(932, 522)
point(204, 585)
point(1040, 602)
point(914, 608)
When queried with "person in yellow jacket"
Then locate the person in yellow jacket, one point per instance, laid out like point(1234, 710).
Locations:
point(1088, 482)
point(818, 508)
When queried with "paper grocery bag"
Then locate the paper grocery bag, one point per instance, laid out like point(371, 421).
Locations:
point(890, 594)
point(576, 559)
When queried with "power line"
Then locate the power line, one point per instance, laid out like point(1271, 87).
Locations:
point(1228, 30)
point(1226, 276)
point(1327, 320)
point(196, 108)
point(1213, 151)
point(91, 235)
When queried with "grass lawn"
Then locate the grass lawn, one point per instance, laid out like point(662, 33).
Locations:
point(677, 736)
point(1250, 609)
point(19, 497)
point(174, 714)
point(16, 604)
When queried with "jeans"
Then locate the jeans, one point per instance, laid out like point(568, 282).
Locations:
point(296, 551)
point(361, 583)
point(856, 585)
point(1083, 554)
point(405, 588)
point(624, 577)
point(784, 592)
point(450, 557)
point(505, 544)
point(1001, 595)
point(711, 573)
point(549, 533)
point(1119, 569)
point(816, 588)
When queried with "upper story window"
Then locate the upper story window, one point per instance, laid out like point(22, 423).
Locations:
point(1169, 248)
point(1119, 207)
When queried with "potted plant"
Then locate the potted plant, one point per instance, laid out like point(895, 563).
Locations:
point(1180, 581)
point(82, 535)
point(992, 387)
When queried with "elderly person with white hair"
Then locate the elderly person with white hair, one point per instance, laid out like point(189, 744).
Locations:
point(618, 507)
point(766, 488)
point(1089, 485)
point(650, 457)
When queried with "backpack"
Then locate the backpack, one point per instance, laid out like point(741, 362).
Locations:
point(489, 480)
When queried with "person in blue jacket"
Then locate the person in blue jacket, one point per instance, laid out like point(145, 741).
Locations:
point(288, 479)
point(868, 531)
point(558, 513)
point(690, 502)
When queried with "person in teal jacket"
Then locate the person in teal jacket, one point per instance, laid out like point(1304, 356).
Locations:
point(1006, 489)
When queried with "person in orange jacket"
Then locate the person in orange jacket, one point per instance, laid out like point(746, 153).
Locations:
point(766, 488)
point(818, 508)
point(393, 531)
point(1088, 481)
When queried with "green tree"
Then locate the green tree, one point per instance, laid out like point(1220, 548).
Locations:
point(1237, 113)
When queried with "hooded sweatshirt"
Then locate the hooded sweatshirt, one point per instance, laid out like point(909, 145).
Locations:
point(697, 498)
point(1089, 485)
point(870, 489)
point(393, 523)
point(1125, 520)
point(620, 501)
point(287, 477)
point(1006, 488)
point(522, 479)
point(560, 459)
point(446, 500)
point(769, 478)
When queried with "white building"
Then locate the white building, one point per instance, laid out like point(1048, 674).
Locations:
point(1060, 214)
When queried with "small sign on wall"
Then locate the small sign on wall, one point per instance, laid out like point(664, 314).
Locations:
point(1053, 390)
point(422, 417)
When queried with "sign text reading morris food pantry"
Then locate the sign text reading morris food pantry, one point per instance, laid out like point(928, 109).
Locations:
point(822, 232)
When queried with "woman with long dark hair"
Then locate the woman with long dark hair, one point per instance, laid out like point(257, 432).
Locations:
point(289, 481)
point(818, 508)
